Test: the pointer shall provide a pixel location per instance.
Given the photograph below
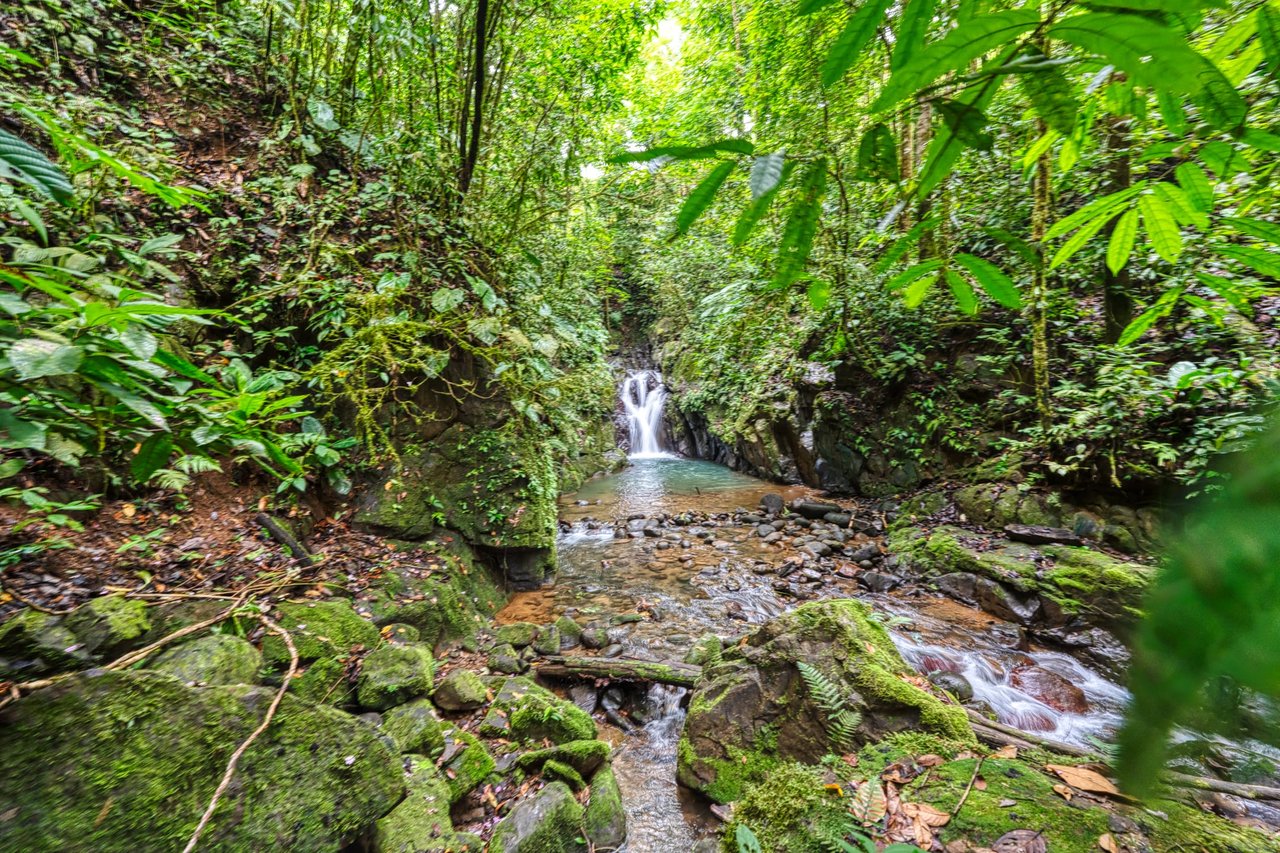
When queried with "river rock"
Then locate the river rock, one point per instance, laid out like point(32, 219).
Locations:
point(504, 659)
point(878, 581)
point(1035, 535)
point(812, 509)
point(839, 519)
point(523, 710)
point(754, 709)
point(548, 822)
point(460, 690)
point(958, 585)
point(869, 551)
point(1050, 688)
point(154, 749)
point(518, 634)
point(392, 675)
point(954, 683)
point(595, 636)
point(772, 503)
point(212, 659)
point(999, 600)
point(605, 820)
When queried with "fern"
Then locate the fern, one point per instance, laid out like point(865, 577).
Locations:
point(842, 721)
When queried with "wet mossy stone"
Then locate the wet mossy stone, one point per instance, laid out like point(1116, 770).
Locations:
point(584, 756)
point(211, 659)
point(755, 710)
point(415, 727)
point(460, 690)
point(320, 629)
point(518, 634)
point(39, 642)
point(570, 632)
point(504, 659)
point(111, 625)
point(548, 822)
point(398, 634)
point(790, 810)
point(323, 682)
point(548, 641)
point(522, 710)
point(465, 760)
point(605, 821)
point(392, 675)
point(125, 761)
point(559, 770)
point(420, 824)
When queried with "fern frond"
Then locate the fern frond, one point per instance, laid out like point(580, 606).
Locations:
point(168, 478)
point(196, 464)
point(843, 727)
point(821, 688)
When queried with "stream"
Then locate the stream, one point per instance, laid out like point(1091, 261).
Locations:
point(664, 539)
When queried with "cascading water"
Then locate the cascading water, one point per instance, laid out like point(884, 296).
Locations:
point(643, 397)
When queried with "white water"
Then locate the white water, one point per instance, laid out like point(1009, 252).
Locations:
point(643, 397)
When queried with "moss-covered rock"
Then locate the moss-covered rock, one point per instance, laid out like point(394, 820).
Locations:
point(518, 634)
point(392, 675)
point(584, 756)
point(506, 660)
point(120, 761)
point(420, 824)
point(460, 690)
point(791, 810)
point(522, 710)
point(211, 659)
point(398, 634)
point(111, 625)
point(570, 632)
point(548, 822)
point(451, 602)
point(548, 641)
point(606, 819)
point(323, 682)
point(34, 642)
point(414, 727)
point(755, 710)
point(320, 629)
point(465, 761)
point(563, 772)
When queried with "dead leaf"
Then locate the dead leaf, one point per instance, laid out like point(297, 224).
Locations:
point(128, 510)
point(1084, 779)
point(868, 804)
point(102, 814)
point(930, 760)
point(1008, 752)
point(980, 784)
point(1020, 841)
point(926, 814)
point(957, 846)
point(1107, 843)
point(1063, 791)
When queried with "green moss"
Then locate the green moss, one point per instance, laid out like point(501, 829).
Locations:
point(465, 761)
point(518, 634)
point(108, 761)
point(875, 756)
point(585, 756)
point(1188, 828)
point(548, 822)
point(320, 629)
point(392, 675)
point(42, 639)
point(523, 710)
point(211, 659)
point(323, 682)
point(415, 727)
point(791, 811)
point(110, 625)
point(559, 770)
point(605, 821)
point(460, 690)
point(570, 631)
point(732, 776)
point(420, 824)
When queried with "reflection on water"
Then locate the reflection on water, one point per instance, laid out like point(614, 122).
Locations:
point(670, 485)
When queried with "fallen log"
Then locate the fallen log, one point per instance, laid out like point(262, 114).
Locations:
point(620, 669)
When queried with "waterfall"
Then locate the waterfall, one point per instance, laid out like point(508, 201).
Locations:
point(643, 397)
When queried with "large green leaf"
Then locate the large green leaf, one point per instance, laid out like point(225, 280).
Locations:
point(967, 123)
point(1268, 18)
point(966, 299)
point(808, 7)
point(755, 211)
point(686, 152)
point(976, 37)
point(1259, 260)
point(913, 273)
point(1098, 208)
point(20, 162)
point(1051, 97)
point(878, 154)
point(802, 225)
point(913, 28)
point(1220, 103)
point(898, 249)
point(1261, 229)
point(1120, 246)
point(153, 454)
point(143, 407)
point(1161, 227)
point(702, 196)
point(34, 358)
point(1162, 307)
point(1180, 205)
point(1150, 53)
point(1195, 184)
point(766, 171)
point(991, 279)
point(855, 36)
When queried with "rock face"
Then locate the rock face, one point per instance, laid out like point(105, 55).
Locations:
point(212, 659)
point(118, 761)
point(34, 642)
point(755, 710)
point(548, 822)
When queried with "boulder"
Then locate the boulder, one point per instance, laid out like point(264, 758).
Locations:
point(1050, 688)
point(813, 509)
point(548, 822)
point(584, 756)
point(111, 625)
point(548, 641)
point(127, 761)
point(35, 642)
point(211, 659)
point(505, 660)
point(772, 503)
point(392, 675)
point(606, 819)
point(755, 709)
point(518, 634)
point(460, 690)
point(414, 727)
point(570, 632)
point(320, 629)
point(420, 824)
point(522, 710)
point(464, 760)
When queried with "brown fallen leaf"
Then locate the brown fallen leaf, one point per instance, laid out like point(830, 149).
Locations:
point(1063, 791)
point(1107, 843)
point(926, 814)
point(1007, 752)
point(1084, 779)
point(1020, 841)
point(957, 846)
point(980, 784)
point(930, 760)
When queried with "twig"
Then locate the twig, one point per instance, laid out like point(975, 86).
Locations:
point(967, 788)
point(26, 602)
point(301, 553)
point(266, 721)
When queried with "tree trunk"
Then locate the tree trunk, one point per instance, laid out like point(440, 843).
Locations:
point(1117, 300)
point(621, 669)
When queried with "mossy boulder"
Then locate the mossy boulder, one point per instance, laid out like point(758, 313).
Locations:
point(126, 761)
point(518, 634)
point(791, 810)
point(111, 625)
point(323, 682)
point(584, 756)
point(548, 641)
point(465, 761)
point(548, 822)
point(452, 601)
point(570, 632)
point(320, 629)
point(420, 824)
point(505, 659)
point(34, 642)
point(606, 819)
point(755, 710)
point(522, 710)
point(392, 675)
point(460, 690)
point(414, 727)
point(211, 659)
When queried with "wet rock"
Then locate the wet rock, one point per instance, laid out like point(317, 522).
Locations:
point(1050, 688)
point(420, 823)
point(523, 710)
point(869, 551)
point(755, 709)
point(570, 632)
point(605, 820)
point(958, 585)
point(839, 519)
point(392, 675)
point(518, 634)
point(37, 642)
point(954, 683)
point(547, 822)
point(878, 581)
point(415, 727)
point(751, 518)
point(999, 600)
point(846, 571)
point(464, 760)
point(813, 509)
point(111, 625)
point(584, 756)
point(212, 659)
point(549, 641)
point(612, 651)
point(815, 549)
point(460, 690)
point(585, 696)
point(772, 503)
point(765, 530)
point(595, 636)
point(154, 748)
point(505, 660)
point(1035, 535)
